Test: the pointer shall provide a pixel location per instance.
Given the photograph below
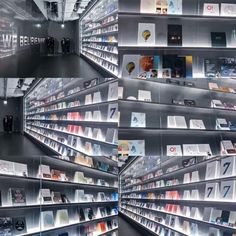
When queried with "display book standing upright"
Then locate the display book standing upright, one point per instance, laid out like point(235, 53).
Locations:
point(99, 35)
point(67, 194)
point(181, 107)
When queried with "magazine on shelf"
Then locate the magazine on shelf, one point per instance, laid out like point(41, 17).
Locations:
point(113, 91)
point(175, 7)
point(228, 10)
point(112, 115)
point(130, 66)
point(147, 6)
point(211, 9)
point(138, 119)
point(174, 150)
point(62, 217)
point(17, 196)
point(19, 225)
point(20, 169)
point(146, 34)
point(228, 166)
point(212, 170)
point(227, 190)
point(212, 191)
point(47, 219)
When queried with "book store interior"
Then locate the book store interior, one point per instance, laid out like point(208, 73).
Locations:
point(61, 38)
point(118, 132)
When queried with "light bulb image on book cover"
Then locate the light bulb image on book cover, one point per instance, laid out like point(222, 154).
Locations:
point(146, 34)
point(130, 66)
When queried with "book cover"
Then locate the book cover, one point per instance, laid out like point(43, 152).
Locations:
point(45, 196)
point(136, 147)
point(144, 95)
point(113, 91)
point(211, 67)
point(110, 135)
point(97, 116)
point(161, 7)
point(149, 67)
point(130, 66)
point(88, 99)
point(112, 114)
point(146, 34)
point(227, 190)
point(81, 214)
point(211, 9)
point(138, 119)
point(218, 39)
point(62, 217)
point(17, 196)
point(97, 98)
point(228, 166)
point(20, 169)
point(228, 10)
point(19, 225)
point(47, 219)
point(212, 191)
point(175, 7)
point(212, 170)
point(196, 124)
point(174, 150)
point(6, 167)
point(147, 6)
point(56, 196)
point(174, 35)
point(6, 226)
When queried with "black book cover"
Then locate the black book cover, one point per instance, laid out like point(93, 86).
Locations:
point(218, 39)
point(6, 226)
point(175, 35)
point(81, 215)
point(177, 65)
point(19, 225)
point(225, 216)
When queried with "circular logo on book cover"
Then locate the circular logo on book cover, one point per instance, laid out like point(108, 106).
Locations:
point(20, 225)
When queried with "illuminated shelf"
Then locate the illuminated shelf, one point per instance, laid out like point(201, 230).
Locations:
point(101, 26)
point(220, 226)
point(105, 33)
point(115, 53)
point(77, 135)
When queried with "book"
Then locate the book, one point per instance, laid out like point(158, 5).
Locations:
point(56, 196)
point(88, 116)
point(81, 214)
point(175, 7)
point(138, 119)
point(6, 167)
point(218, 39)
point(20, 169)
point(19, 225)
point(45, 196)
point(79, 177)
point(211, 191)
point(97, 116)
point(144, 95)
point(174, 150)
point(136, 147)
point(228, 9)
point(227, 190)
point(213, 232)
point(207, 214)
point(146, 34)
point(96, 150)
point(62, 217)
point(80, 195)
point(89, 214)
point(44, 172)
point(228, 167)
point(120, 92)
point(113, 91)
point(196, 124)
point(222, 124)
point(130, 66)
point(6, 226)
point(204, 150)
point(97, 134)
point(195, 176)
point(227, 148)
point(211, 9)
point(217, 104)
point(148, 67)
point(47, 219)
point(88, 99)
point(190, 149)
point(17, 196)
point(147, 6)
point(161, 7)
point(174, 35)
point(176, 122)
point(111, 135)
point(97, 98)
point(112, 114)
point(212, 170)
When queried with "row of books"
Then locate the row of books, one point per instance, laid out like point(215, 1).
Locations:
point(105, 48)
point(208, 214)
point(175, 7)
point(175, 66)
point(169, 225)
point(82, 131)
point(137, 148)
point(102, 39)
point(109, 29)
point(214, 169)
point(214, 191)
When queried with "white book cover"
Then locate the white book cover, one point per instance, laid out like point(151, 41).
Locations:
point(88, 132)
point(217, 104)
point(47, 219)
point(88, 99)
point(136, 147)
point(228, 9)
point(194, 229)
point(186, 195)
point(232, 217)
point(97, 98)
point(171, 122)
point(146, 34)
point(144, 95)
point(207, 214)
point(120, 92)
point(196, 124)
point(97, 116)
point(222, 124)
point(187, 178)
point(212, 191)
point(45, 196)
point(20, 169)
point(186, 209)
point(204, 149)
point(97, 134)
point(195, 213)
point(110, 135)
point(195, 194)
point(195, 176)
point(44, 172)
point(147, 6)
point(6, 167)
point(138, 119)
point(175, 7)
point(227, 190)
point(112, 114)
point(227, 147)
point(211, 9)
point(228, 167)
point(212, 170)
point(113, 91)
point(190, 149)
point(130, 66)
point(180, 122)
point(216, 214)
point(174, 150)
point(88, 116)
point(214, 231)
point(79, 195)
point(62, 217)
